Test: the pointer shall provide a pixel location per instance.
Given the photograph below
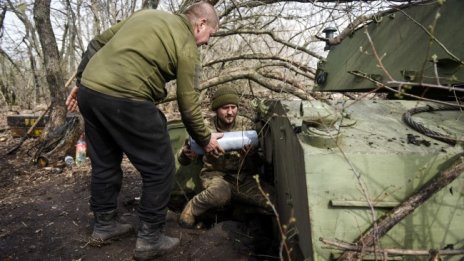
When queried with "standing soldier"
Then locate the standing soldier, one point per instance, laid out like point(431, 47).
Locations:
point(122, 74)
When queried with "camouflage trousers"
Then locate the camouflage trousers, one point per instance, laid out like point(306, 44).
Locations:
point(219, 189)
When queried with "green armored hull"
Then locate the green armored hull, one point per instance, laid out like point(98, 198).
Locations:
point(333, 179)
point(407, 46)
point(339, 167)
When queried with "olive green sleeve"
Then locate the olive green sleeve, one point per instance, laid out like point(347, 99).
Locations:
point(94, 45)
point(188, 70)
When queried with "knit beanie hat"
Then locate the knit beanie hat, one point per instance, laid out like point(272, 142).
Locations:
point(223, 96)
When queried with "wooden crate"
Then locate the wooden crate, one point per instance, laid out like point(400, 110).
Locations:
point(20, 124)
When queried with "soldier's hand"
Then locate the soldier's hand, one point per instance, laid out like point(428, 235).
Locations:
point(186, 150)
point(248, 149)
point(213, 146)
point(71, 101)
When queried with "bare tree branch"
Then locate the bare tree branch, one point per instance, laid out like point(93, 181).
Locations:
point(251, 4)
point(30, 30)
point(253, 75)
point(262, 56)
point(4, 54)
point(449, 88)
point(381, 85)
point(433, 38)
point(283, 65)
point(2, 18)
point(391, 251)
point(289, 80)
point(389, 220)
point(273, 36)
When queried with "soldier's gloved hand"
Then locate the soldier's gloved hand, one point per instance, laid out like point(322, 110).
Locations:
point(188, 152)
point(248, 149)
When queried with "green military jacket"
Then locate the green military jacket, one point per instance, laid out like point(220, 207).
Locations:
point(136, 57)
point(232, 163)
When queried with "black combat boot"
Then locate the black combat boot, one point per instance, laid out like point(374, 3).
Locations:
point(107, 226)
point(151, 242)
point(187, 219)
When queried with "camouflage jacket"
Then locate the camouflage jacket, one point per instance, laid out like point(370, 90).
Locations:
point(233, 163)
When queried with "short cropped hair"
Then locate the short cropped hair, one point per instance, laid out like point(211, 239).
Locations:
point(202, 10)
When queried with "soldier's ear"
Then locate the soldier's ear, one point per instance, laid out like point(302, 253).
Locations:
point(201, 24)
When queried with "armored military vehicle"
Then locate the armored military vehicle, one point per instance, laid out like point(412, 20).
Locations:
point(377, 177)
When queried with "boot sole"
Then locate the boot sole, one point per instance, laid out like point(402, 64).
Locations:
point(146, 256)
point(97, 242)
point(186, 225)
point(150, 255)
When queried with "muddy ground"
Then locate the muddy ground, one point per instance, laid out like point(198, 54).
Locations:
point(44, 215)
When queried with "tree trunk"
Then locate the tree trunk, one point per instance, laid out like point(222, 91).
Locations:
point(97, 23)
point(34, 71)
point(56, 129)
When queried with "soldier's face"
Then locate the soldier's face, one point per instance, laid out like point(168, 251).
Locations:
point(227, 113)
